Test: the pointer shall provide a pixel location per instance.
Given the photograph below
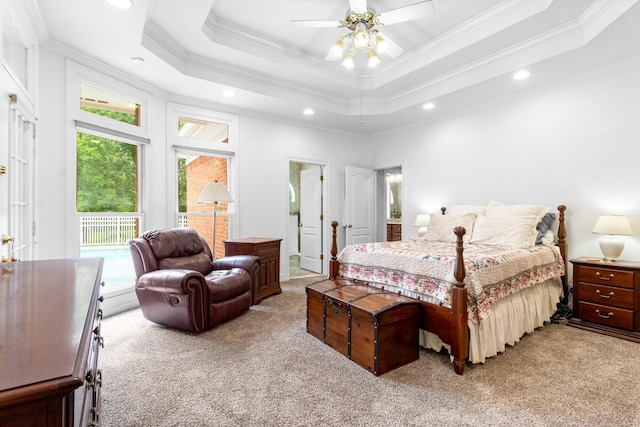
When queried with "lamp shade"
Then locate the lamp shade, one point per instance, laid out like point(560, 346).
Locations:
point(613, 224)
point(215, 192)
point(422, 220)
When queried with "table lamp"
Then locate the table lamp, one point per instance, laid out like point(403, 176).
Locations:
point(612, 226)
point(422, 221)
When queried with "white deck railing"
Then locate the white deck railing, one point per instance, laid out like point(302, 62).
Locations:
point(107, 230)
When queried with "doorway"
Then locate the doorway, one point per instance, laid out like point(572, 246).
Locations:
point(305, 221)
point(389, 203)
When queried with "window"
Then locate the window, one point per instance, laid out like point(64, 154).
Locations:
point(203, 130)
point(109, 147)
point(110, 105)
point(195, 171)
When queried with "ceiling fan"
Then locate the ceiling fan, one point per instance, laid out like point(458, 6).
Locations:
point(362, 21)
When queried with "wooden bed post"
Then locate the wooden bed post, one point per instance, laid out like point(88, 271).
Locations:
point(459, 315)
point(562, 244)
point(334, 265)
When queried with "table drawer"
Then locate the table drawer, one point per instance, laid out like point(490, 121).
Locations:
point(605, 315)
point(607, 276)
point(608, 295)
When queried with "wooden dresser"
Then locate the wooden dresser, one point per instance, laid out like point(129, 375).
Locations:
point(269, 252)
point(606, 297)
point(49, 342)
point(394, 232)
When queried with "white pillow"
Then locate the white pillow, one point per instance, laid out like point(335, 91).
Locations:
point(496, 209)
point(514, 231)
point(441, 227)
point(502, 210)
point(457, 210)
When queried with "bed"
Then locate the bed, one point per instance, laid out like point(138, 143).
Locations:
point(485, 275)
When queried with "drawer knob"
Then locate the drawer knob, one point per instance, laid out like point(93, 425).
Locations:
point(607, 278)
point(604, 296)
point(604, 316)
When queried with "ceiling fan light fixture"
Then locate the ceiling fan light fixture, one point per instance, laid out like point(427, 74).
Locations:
point(348, 61)
point(361, 38)
point(338, 48)
point(373, 59)
point(381, 43)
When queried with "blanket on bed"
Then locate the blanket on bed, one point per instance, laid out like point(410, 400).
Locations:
point(425, 269)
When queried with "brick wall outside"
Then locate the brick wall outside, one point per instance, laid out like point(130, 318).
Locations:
point(201, 171)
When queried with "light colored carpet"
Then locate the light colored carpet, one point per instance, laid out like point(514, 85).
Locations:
point(263, 369)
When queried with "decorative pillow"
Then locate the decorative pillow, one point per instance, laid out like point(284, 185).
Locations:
point(544, 225)
point(514, 231)
point(549, 238)
point(441, 227)
point(457, 210)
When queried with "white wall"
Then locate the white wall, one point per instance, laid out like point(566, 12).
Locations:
point(576, 144)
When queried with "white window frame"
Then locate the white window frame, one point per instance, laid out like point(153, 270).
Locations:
point(83, 121)
point(177, 144)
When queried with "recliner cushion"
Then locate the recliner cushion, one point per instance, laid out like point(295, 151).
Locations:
point(174, 242)
point(198, 262)
point(227, 284)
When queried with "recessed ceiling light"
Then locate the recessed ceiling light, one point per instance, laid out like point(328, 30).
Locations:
point(429, 106)
point(121, 4)
point(308, 112)
point(228, 93)
point(521, 75)
point(137, 59)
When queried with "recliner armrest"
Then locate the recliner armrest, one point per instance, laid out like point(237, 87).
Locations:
point(173, 281)
point(245, 262)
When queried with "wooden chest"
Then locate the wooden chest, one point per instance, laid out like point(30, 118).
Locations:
point(374, 328)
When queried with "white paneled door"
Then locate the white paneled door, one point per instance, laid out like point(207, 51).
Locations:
point(359, 205)
point(311, 219)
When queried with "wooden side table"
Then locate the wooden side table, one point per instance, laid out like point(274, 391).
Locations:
point(269, 252)
point(606, 297)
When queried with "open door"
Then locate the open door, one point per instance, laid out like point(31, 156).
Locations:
point(359, 205)
point(311, 219)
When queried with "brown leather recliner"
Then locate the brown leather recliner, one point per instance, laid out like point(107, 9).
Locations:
point(180, 286)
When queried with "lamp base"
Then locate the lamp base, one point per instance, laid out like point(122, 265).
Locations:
point(421, 231)
point(611, 247)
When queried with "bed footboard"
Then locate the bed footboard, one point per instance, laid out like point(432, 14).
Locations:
point(450, 324)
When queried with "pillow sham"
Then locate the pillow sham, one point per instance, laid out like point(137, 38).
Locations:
point(457, 210)
point(513, 231)
point(441, 227)
point(497, 209)
point(501, 210)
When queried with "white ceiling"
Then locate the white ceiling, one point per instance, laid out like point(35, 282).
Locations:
point(462, 56)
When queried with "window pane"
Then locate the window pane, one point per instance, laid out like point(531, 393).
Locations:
point(103, 103)
point(106, 173)
point(194, 173)
point(203, 130)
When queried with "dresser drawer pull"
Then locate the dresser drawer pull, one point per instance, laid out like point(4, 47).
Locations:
point(604, 296)
point(607, 278)
point(605, 316)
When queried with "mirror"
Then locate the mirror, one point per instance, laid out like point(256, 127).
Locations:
point(394, 193)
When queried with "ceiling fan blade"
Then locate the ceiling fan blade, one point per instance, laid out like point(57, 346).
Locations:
point(407, 13)
point(316, 24)
point(358, 6)
point(394, 49)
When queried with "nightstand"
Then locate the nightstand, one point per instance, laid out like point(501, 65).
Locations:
point(269, 252)
point(606, 297)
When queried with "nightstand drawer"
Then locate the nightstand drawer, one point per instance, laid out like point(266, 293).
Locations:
point(610, 296)
point(606, 315)
point(607, 276)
